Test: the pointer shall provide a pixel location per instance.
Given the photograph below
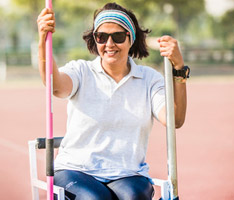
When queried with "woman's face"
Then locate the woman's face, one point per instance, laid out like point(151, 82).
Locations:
point(113, 53)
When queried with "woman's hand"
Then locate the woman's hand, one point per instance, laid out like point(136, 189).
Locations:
point(170, 49)
point(46, 23)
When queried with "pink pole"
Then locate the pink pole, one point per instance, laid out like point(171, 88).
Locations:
point(49, 85)
point(49, 111)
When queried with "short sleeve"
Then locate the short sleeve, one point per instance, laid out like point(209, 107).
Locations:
point(73, 70)
point(157, 94)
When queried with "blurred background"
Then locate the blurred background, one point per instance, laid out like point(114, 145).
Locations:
point(205, 144)
point(204, 28)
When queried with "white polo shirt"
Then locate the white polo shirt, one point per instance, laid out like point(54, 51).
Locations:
point(109, 123)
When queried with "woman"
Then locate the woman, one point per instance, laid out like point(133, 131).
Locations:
point(112, 102)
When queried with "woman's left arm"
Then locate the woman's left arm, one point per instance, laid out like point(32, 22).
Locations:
point(169, 48)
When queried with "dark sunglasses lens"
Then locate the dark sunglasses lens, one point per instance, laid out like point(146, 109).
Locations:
point(101, 37)
point(119, 37)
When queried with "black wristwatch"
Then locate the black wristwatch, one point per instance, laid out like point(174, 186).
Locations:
point(184, 72)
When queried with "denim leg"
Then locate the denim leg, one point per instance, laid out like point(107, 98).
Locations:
point(132, 188)
point(81, 186)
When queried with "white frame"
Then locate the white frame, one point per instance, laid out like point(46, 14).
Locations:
point(35, 182)
point(39, 184)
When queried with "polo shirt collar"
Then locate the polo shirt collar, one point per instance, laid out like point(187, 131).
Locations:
point(135, 69)
point(96, 64)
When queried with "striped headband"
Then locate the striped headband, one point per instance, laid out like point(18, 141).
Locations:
point(118, 17)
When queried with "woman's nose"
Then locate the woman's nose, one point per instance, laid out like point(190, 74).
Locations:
point(110, 42)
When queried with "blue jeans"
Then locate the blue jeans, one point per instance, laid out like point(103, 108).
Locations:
point(80, 186)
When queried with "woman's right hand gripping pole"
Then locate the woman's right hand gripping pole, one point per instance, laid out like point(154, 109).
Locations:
point(62, 83)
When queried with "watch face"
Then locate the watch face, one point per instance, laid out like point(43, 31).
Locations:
point(187, 71)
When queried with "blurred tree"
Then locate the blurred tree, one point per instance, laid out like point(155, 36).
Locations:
point(162, 16)
point(227, 27)
point(182, 11)
point(179, 18)
point(71, 10)
point(2, 31)
point(205, 37)
point(31, 9)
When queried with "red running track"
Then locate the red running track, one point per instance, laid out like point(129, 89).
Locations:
point(205, 144)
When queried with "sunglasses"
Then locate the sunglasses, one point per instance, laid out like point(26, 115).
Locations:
point(117, 37)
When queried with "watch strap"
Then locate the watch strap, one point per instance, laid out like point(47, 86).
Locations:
point(184, 72)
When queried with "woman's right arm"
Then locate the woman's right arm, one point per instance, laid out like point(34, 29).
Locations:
point(62, 83)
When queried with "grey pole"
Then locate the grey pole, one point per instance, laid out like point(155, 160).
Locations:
point(171, 138)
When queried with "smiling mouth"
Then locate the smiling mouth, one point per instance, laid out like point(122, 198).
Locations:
point(111, 53)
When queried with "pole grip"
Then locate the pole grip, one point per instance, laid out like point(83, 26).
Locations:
point(49, 157)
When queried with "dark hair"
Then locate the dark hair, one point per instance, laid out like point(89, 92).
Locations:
point(139, 47)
